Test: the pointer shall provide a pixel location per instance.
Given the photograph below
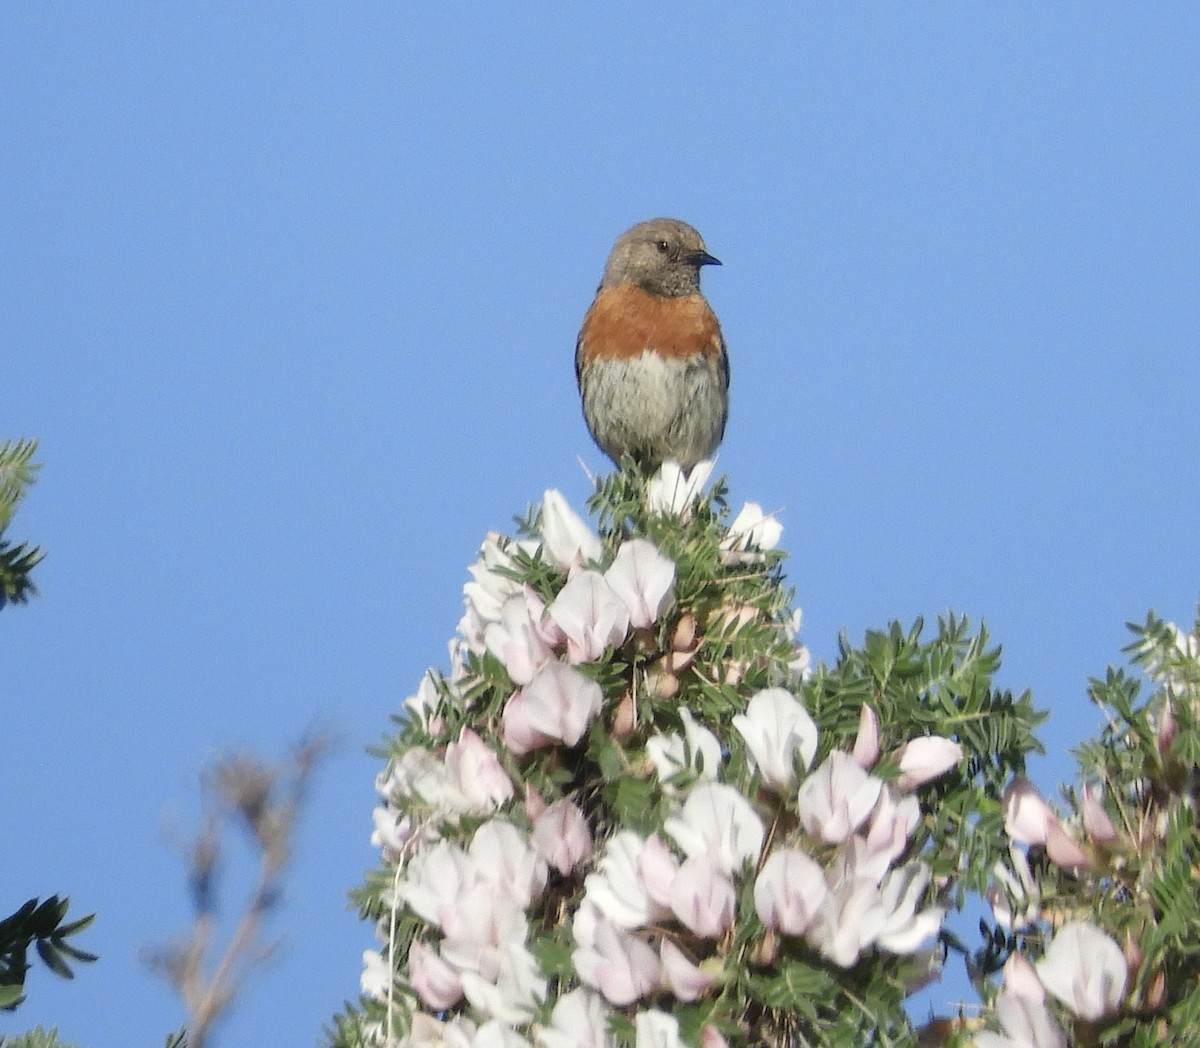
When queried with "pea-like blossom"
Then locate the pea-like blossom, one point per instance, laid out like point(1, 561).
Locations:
point(617, 888)
point(504, 856)
point(579, 1020)
point(1096, 821)
point(1014, 895)
point(517, 639)
point(557, 705)
point(644, 579)
point(837, 798)
point(703, 898)
point(1085, 969)
point(925, 759)
point(906, 928)
point(672, 493)
point(776, 728)
point(438, 984)
point(751, 530)
point(591, 616)
point(866, 742)
point(789, 891)
point(687, 981)
point(716, 820)
point(697, 750)
point(621, 966)
point(562, 837)
point(476, 780)
point(567, 541)
point(512, 995)
point(655, 1029)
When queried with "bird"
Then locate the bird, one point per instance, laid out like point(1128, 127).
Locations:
point(650, 360)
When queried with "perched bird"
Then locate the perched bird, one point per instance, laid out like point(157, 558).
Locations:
point(650, 359)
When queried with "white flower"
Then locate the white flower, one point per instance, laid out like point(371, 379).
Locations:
point(1014, 898)
point(836, 798)
point(475, 780)
point(376, 978)
point(751, 530)
point(590, 615)
point(516, 991)
point(579, 1020)
point(789, 891)
point(567, 542)
point(1085, 969)
point(776, 727)
point(657, 1029)
point(905, 929)
point(672, 494)
point(697, 750)
point(617, 888)
point(644, 579)
point(716, 820)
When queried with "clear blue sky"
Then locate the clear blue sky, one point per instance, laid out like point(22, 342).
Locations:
point(289, 293)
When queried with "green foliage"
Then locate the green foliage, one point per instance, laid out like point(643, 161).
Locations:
point(17, 560)
point(43, 926)
point(38, 1037)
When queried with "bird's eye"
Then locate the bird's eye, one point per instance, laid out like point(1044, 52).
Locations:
point(663, 246)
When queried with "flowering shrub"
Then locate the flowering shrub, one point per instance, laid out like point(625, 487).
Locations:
point(632, 813)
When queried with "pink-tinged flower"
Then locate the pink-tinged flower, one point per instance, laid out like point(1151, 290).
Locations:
point(617, 890)
point(520, 736)
point(481, 923)
point(1096, 821)
point(848, 922)
point(836, 798)
point(567, 542)
point(1026, 815)
point(1166, 729)
point(925, 759)
point(751, 530)
point(711, 1037)
point(416, 773)
point(436, 982)
point(1021, 978)
point(424, 705)
point(789, 891)
point(489, 588)
point(687, 981)
point(516, 640)
point(776, 728)
point(697, 751)
point(562, 836)
point(435, 881)
point(516, 990)
point(505, 857)
point(392, 833)
point(892, 823)
point(866, 742)
point(644, 579)
point(716, 820)
point(702, 897)
point(905, 929)
point(1024, 1023)
point(621, 966)
point(428, 1032)
point(1063, 850)
point(474, 774)
point(1085, 969)
point(376, 978)
point(655, 1029)
point(579, 1020)
point(1014, 896)
point(656, 868)
point(671, 494)
point(591, 616)
point(559, 703)
point(497, 1034)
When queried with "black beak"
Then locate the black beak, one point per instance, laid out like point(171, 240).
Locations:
point(702, 258)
